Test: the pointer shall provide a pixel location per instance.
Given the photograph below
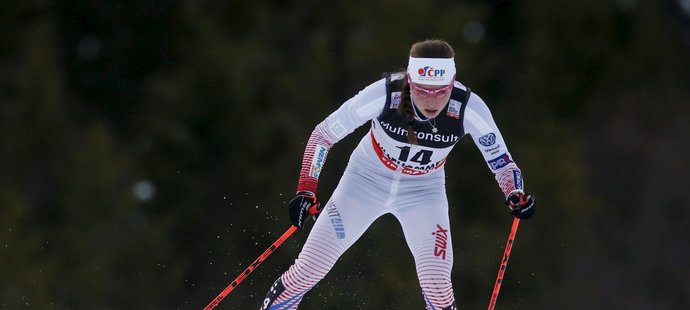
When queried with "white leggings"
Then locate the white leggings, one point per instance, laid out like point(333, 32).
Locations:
point(420, 205)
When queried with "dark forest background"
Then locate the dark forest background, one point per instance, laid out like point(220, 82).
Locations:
point(148, 148)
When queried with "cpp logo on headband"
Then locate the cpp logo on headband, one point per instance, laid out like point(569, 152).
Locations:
point(431, 72)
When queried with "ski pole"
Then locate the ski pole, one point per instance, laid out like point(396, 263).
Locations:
point(504, 262)
point(251, 268)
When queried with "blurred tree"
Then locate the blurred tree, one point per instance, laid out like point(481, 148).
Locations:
point(71, 226)
point(203, 108)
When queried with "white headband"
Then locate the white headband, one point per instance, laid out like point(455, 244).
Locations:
point(431, 71)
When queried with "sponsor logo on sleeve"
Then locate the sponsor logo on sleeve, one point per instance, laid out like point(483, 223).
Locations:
point(337, 129)
point(493, 150)
point(517, 179)
point(318, 160)
point(500, 161)
point(487, 139)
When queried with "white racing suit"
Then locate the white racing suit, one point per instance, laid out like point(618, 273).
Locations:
point(386, 174)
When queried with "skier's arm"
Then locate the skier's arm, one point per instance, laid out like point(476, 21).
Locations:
point(480, 125)
point(352, 114)
point(364, 106)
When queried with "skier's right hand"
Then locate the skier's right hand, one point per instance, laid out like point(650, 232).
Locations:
point(303, 207)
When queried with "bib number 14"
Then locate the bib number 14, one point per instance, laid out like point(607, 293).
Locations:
point(422, 157)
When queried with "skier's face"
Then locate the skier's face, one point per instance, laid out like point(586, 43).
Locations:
point(430, 99)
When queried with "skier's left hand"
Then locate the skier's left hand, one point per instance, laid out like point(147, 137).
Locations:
point(521, 204)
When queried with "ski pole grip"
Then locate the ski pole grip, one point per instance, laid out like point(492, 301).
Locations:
point(315, 209)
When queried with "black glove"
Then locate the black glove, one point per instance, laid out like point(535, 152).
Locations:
point(521, 204)
point(302, 208)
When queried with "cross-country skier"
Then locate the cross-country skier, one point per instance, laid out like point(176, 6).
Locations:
point(416, 118)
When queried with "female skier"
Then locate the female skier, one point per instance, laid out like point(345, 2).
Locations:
point(416, 118)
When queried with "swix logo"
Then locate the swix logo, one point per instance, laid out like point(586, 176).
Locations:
point(430, 72)
point(441, 242)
